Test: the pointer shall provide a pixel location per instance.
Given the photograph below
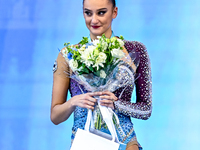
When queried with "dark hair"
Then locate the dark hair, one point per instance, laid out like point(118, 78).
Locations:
point(112, 1)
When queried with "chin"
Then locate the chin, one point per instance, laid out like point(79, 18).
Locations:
point(97, 32)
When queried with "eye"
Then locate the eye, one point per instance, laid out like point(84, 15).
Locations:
point(88, 13)
point(101, 13)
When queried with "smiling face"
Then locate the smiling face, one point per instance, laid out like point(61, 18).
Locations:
point(98, 16)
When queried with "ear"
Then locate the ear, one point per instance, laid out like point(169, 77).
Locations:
point(115, 12)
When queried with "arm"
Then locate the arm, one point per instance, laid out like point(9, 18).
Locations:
point(60, 108)
point(143, 107)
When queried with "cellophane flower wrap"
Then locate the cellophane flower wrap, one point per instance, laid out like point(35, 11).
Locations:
point(101, 65)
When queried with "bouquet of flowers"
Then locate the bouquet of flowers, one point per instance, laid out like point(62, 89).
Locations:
point(100, 65)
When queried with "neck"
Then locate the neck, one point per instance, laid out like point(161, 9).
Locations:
point(108, 34)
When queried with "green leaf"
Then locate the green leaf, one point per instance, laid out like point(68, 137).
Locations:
point(85, 70)
point(121, 37)
point(66, 44)
point(107, 52)
point(91, 68)
point(81, 72)
point(98, 73)
point(77, 46)
point(78, 57)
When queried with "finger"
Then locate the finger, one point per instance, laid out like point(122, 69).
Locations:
point(92, 99)
point(95, 94)
point(88, 97)
point(108, 97)
point(88, 106)
point(108, 105)
point(106, 102)
point(105, 97)
point(85, 105)
point(87, 102)
point(112, 98)
point(107, 93)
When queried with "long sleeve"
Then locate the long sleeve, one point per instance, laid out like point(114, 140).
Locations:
point(143, 107)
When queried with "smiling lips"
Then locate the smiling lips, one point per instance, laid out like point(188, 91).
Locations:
point(95, 27)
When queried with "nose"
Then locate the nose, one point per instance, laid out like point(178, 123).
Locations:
point(95, 19)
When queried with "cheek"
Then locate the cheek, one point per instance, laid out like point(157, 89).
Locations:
point(107, 20)
point(87, 20)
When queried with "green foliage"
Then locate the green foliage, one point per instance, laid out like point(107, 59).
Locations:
point(121, 37)
point(66, 44)
point(84, 41)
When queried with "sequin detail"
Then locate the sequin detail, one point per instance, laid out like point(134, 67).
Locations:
point(55, 66)
point(143, 107)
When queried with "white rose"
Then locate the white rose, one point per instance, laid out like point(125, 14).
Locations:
point(73, 64)
point(102, 74)
point(117, 53)
point(121, 43)
point(102, 56)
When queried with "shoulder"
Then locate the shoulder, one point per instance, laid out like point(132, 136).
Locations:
point(139, 49)
point(134, 46)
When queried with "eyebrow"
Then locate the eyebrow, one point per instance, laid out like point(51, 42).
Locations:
point(97, 9)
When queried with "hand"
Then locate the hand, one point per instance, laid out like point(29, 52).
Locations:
point(85, 100)
point(108, 99)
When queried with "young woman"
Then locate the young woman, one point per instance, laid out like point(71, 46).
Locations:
point(98, 16)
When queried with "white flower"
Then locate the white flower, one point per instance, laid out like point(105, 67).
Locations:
point(102, 56)
point(102, 74)
point(121, 43)
point(87, 55)
point(73, 64)
point(100, 60)
point(117, 53)
point(95, 42)
point(82, 49)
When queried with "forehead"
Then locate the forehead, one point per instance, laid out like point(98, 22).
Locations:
point(97, 4)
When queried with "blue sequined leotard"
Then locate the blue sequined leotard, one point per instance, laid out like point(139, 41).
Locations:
point(124, 108)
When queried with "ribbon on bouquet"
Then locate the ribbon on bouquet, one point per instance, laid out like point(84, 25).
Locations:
point(124, 78)
point(107, 114)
